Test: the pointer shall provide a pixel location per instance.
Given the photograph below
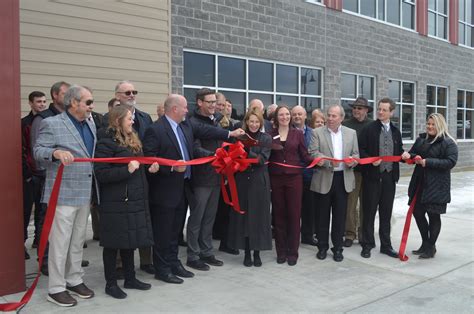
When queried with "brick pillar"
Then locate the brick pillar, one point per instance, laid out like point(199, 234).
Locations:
point(334, 4)
point(12, 264)
point(422, 17)
point(453, 18)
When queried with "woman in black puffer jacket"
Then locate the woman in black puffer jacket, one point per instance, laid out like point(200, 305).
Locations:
point(435, 154)
point(124, 212)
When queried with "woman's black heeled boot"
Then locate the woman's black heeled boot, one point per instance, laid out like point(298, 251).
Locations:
point(429, 252)
point(257, 262)
point(247, 257)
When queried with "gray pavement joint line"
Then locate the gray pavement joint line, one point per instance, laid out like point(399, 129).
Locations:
point(409, 287)
point(458, 218)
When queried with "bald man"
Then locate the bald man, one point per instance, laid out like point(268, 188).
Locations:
point(308, 209)
point(172, 136)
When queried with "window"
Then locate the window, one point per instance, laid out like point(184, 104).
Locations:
point(465, 114)
point(242, 80)
point(398, 12)
point(353, 86)
point(466, 23)
point(403, 94)
point(438, 18)
point(436, 100)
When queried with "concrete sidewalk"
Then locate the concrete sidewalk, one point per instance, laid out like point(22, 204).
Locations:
point(378, 284)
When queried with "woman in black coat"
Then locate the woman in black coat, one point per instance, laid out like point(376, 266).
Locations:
point(435, 154)
point(124, 212)
point(252, 230)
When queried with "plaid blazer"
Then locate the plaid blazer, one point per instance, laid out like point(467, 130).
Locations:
point(58, 132)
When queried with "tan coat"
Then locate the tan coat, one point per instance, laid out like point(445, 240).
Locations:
point(321, 145)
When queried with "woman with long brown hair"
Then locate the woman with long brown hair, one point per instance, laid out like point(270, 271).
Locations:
point(124, 212)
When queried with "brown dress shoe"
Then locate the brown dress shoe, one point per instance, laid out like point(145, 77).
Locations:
point(62, 299)
point(81, 291)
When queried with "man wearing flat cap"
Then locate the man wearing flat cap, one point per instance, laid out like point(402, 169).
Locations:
point(359, 119)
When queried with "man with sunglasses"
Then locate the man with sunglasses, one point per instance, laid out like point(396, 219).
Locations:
point(62, 138)
point(359, 119)
point(126, 94)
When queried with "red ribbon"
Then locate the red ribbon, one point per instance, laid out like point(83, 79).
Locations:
point(229, 163)
point(231, 158)
point(406, 229)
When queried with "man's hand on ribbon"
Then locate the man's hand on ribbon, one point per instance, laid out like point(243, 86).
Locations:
point(179, 168)
point(64, 156)
point(353, 163)
point(154, 168)
point(406, 156)
point(237, 132)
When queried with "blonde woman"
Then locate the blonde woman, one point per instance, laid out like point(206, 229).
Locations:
point(124, 212)
point(435, 154)
point(317, 119)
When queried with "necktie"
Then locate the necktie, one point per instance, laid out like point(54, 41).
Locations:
point(184, 151)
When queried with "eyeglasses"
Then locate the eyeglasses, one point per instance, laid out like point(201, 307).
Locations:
point(89, 102)
point(129, 92)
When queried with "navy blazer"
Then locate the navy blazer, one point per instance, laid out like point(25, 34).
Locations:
point(166, 186)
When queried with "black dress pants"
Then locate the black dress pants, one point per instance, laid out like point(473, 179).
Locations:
point(377, 195)
point(335, 202)
point(109, 256)
point(309, 212)
point(167, 225)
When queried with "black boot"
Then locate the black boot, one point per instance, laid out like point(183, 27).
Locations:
point(420, 250)
point(257, 262)
point(429, 252)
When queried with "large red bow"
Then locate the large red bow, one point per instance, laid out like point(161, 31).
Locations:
point(231, 158)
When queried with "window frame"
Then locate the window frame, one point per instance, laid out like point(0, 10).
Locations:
point(466, 25)
point(372, 114)
point(464, 109)
point(436, 13)
point(384, 21)
point(436, 101)
point(401, 103)
point(247, 90)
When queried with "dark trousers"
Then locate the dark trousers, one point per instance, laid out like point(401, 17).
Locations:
point(167, 223)
point(335, 203)
point(32, 196)
point(42, 215)
point(286, 206)
point(309, 212)
point(377, 194)
point(221, 223)
point(429, 230)
point(109, 257)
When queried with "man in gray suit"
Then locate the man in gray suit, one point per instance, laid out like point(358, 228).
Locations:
point(333, 180)
point(62, 138)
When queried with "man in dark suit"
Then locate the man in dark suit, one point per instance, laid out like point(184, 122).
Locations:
point(379, 138)
point(172, 137)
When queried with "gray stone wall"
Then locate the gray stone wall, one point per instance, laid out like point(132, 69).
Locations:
point(299, 32)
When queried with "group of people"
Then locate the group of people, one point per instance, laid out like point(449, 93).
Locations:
point(144, 206)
